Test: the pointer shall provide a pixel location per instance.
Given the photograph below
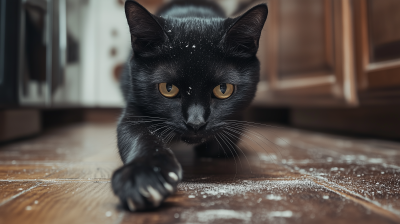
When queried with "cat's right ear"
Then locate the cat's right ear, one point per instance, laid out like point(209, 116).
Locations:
point(146, 31)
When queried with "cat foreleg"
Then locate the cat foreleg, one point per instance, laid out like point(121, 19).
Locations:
point(150, 172)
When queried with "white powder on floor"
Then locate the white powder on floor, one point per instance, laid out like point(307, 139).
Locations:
point(211, 215)
point(283, 214)
point(273, 197)
point(267, 157)
point(282, 141)
point(246, 186)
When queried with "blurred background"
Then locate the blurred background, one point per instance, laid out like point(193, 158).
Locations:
point(326, 65)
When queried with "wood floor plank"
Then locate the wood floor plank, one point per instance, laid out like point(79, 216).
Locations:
point(9, 190)
point(63, 202)
point(78, 171)
point(297, 145)
point(86, 171)
point(75, 143)
point(373, 182)
point(27, 171)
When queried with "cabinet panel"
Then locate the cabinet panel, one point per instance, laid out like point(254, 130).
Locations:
point(384, 23)
point(311, 55)
point(302, 37)
point(378, 47)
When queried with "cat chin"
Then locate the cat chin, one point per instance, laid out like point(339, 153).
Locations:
point(193, 139)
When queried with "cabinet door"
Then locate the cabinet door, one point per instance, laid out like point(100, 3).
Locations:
point(378, 50)
point(309, 56)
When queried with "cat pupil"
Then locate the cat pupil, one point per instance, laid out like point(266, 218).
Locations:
point(169, 87)
point(222, 87)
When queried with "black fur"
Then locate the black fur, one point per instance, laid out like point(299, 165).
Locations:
point(191, 45)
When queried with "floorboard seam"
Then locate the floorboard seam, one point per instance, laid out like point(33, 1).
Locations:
point(366, 202)
point(353, 196)
point(19, 194)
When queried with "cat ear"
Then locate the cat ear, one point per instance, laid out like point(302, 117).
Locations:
point(242, 38)
point(146, 31)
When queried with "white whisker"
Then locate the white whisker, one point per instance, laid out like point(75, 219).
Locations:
point(238, 148)
point(249, 137)
point(226, 154)
point(233, 149)
point(259, 136)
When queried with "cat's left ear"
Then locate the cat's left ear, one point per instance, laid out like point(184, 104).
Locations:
point(243, 36)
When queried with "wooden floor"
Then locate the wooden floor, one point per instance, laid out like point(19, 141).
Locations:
point(64, 175)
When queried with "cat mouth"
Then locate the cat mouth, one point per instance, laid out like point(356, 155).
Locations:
point(193, 139)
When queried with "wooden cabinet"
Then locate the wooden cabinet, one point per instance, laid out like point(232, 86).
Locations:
point(377, 44)
point(330, 53)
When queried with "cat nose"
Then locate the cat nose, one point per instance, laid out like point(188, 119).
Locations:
point(195, 119)
point(196, 125)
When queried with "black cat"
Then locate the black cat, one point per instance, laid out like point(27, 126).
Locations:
point(191, 72)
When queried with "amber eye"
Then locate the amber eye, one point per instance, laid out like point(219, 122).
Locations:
point(168, 89)
point(223, 91)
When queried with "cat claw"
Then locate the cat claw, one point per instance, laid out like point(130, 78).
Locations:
point(156, 197)
point(152, 194)
point(173, 176)
point(131, 205)
point(169, 188)
point(144, 192)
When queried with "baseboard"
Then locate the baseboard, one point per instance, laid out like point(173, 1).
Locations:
point(19, 123)
point(379, 121)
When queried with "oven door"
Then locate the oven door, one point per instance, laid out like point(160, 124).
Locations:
point(48, 53)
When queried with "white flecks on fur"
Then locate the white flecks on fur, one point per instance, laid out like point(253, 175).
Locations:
point(173, 176)
point(169, 188)
point(156, 197)
point(131, 205)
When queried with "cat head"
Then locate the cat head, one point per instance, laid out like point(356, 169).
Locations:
point(193, 66)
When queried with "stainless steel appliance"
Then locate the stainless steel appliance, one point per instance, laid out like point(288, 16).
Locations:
point(39, 56)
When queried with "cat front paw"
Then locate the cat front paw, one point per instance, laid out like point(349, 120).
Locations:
point(144, 185)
